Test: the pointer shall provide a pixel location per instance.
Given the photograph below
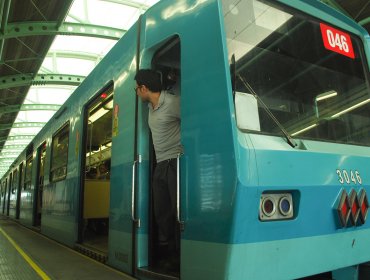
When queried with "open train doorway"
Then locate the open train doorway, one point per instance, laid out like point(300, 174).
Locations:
point(95, 193)
point(4, 194)
point(39, 185)
point(164, 255)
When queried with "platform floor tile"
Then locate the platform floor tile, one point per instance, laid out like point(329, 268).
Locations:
point(12, 265)
point(52, 259)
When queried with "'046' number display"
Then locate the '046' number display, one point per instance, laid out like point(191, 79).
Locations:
point(337, 41)
point(349, 177)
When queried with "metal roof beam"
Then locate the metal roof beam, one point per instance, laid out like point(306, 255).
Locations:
point(40, 107)
point(129, 3)
point(335, 5)
point(29, 107)
point(364, 21)
point(8, 160)
point(23, 29)
point(21, 60)
point(40, 79)
point(38, 10)
point(28, 137)
point(22, 125)
point(75, 55)
point(360, 11)
point(13, 148)
point(5, 8)
point(9, 155)
point(59, 54)
point(57, 79)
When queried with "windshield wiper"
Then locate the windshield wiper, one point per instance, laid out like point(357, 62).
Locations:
point(289, 138)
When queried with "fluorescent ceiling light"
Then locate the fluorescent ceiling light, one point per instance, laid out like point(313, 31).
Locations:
point(351, 108)
point(326, 95)
point(98, 114)
point(304, 129)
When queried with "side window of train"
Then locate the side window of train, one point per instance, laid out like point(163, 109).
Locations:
point(28, 173)
point(99, 136)
point(59, 154)
point(10, 182)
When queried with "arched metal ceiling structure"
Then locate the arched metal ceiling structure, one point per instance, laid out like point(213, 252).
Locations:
point(359, 10)
point(29, 65)
point(34, 64)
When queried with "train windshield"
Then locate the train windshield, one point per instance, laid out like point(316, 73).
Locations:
point(311, 75)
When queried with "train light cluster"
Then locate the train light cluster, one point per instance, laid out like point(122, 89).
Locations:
point(276, 206)
point(364, 206)
point(352, 209)
point(355, 206)
point(343, 209)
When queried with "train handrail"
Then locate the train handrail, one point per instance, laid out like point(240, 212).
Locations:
point(178, 206)
point(133, 189)
point(91, 131)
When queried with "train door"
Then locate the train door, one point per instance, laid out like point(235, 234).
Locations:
point(39, 184)
point(95, 193)
point(19, 190)
point(10, 184)
point(3, 194)
point(26, 200)
point(163, 260)
point(13, 194)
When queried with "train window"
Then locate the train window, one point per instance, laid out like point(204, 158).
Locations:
point(42, 165)
point(15, 181)
point(5, 190)
point(21, 175)
point(314, 91)
point(28, 173)
point(99, 136)
point(59, 154)
point(11, 177)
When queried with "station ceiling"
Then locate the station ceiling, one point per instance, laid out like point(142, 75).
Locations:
point(33, 83)
point(47, 48)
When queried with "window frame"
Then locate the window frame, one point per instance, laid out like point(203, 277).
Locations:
point(314, 20)
point(25, 182)
point(52, 160)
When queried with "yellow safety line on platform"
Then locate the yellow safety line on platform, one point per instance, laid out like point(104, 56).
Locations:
point(26, 257)
point(80, 254)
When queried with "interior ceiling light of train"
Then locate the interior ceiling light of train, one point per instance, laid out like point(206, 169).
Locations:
point(29, 97)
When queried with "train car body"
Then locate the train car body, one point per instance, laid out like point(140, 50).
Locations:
point(259, 198)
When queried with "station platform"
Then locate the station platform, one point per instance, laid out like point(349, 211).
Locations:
point(27, 255)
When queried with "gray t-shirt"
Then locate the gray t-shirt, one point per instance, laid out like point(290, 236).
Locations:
point(164, 123)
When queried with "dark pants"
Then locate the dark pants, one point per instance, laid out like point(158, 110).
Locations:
point(164, 199)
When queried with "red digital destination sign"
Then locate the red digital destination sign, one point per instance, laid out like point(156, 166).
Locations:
point(337, 41)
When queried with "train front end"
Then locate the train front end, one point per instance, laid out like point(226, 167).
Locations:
point(300, 80)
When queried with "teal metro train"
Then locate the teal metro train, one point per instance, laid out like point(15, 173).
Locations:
point(274, 181)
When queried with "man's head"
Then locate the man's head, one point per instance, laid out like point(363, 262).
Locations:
point(149, 78)
point(147, 82)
